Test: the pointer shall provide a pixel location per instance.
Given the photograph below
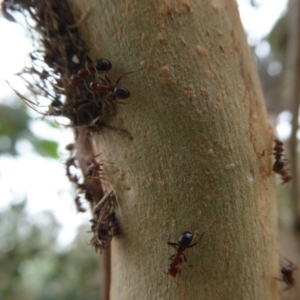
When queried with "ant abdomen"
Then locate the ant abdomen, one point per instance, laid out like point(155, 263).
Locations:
point(287, 271)
point(278, 165)
point(102, 64)
point(185, 239)
point(121, 92)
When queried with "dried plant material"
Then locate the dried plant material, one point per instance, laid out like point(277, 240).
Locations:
point(104, 224)
point(62, 77)
point(59, 70)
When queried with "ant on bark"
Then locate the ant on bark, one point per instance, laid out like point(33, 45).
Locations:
point(78, 204)
point(287, 275)
point(99, 65)
point(182, 244)
point(94, 169)
point(279, 164)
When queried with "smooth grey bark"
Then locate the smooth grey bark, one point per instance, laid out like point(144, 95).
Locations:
point(193, 158)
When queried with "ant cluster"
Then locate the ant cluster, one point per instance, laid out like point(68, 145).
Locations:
point(99, 94)
point(60, 70)
point(104, 223)
point(280, 163)
point(78, 88)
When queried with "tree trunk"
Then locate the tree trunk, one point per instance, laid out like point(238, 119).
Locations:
point(193, 156)
point(292, 95)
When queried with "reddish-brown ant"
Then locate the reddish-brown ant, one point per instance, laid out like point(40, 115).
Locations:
point(101, 65)
point(94, 169)
point(286, 176)
point(182, 244)
point(279, 164)
point(287, 274)
point(106, 87)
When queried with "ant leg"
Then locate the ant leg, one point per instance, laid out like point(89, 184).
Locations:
point(98, 205)
point(81, 20)
point(172, 244)
point(279, 279)
point(192, 245)
point(107, 80)
point(293, 266)
point(287, 288)
point(171, 257)
point(123, 76)
point(288, 285)
point(185, 260)
point(201, 236)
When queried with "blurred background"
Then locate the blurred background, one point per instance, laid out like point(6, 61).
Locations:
point(43, 238)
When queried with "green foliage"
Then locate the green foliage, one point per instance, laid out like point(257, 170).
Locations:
point(46, 147)
point(278, 38)
point(14, 126)
point(32, 267)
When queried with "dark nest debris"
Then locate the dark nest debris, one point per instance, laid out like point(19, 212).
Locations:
point(104, 222)
point(60, 72)
point(59, 69)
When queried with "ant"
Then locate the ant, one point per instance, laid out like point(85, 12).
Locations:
point(71, 162)
point(287, 275)
point(286, 176)
point(94, 169)
point(182, 244)
point(101, 65)
point(78, 204)
point(279, 164)
point(106, 87)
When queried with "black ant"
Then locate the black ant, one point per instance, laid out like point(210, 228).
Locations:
point(106, 87)
point(287, 275)
point(279, 164)
point(182, 244)
point(71, 162)
point(101, 65)
point(94, 169)
point(79, 205)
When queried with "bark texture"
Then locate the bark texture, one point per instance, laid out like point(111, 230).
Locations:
point(197, 127)
point(292, 95)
